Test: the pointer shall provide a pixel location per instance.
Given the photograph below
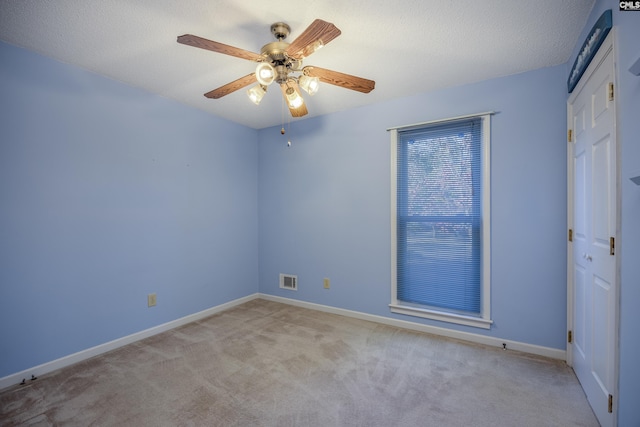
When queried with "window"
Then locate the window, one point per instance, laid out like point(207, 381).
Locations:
point(440, 220)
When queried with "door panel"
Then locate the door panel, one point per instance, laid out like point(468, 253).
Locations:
point(580, 199)
point(600, 97)
point(601, 193)
point(593, 218)
point(600, 355)
point(580, 338)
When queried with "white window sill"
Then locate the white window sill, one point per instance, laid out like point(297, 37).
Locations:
point(442, 316)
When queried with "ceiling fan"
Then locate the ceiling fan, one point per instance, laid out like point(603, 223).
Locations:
point(281, 62)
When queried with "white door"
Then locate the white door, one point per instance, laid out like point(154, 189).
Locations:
point(593, 218)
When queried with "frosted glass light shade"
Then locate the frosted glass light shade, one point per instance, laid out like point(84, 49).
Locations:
point(265, 73)
point(309, 84)
point(256, 93)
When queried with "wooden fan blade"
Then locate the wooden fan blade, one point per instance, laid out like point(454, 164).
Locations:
point(340, 79)
point(195, 41)
point(231, 87)
point(295, 112)
point(318, 34)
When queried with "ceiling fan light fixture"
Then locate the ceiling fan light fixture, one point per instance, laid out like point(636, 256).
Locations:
point(281, 62)
point(256, 93)
point(265, 73)
point(309, 84)
point(293, 98)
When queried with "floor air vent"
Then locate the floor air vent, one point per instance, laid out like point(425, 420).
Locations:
point(288, 281)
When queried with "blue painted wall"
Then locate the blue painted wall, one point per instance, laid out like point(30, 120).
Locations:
point(325, 203)
point(107, 194)
point(627, 26)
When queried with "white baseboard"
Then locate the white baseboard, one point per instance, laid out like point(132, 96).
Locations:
point(62, 362)
point(552, 353)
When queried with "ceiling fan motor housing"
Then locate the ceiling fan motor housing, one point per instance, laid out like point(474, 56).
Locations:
point(275, 54)
point(275, 51)
point(280, 30)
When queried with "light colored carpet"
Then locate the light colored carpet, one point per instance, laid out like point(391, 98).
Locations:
point(269, 364)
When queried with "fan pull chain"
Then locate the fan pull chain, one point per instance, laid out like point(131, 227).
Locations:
point(282, 116)
point(289, 129)
point(282, 131)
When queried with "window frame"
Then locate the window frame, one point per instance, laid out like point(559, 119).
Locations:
point(483, 320)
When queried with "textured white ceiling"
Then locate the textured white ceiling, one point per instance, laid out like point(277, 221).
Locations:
point(407, 46)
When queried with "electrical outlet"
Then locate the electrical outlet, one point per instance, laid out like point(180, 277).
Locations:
point(151, 300)
point(327, 283)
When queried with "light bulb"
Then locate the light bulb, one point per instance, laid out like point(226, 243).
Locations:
point(265, 73)
point(293, 98)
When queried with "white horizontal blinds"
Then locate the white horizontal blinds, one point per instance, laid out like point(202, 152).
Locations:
point(438, 215)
